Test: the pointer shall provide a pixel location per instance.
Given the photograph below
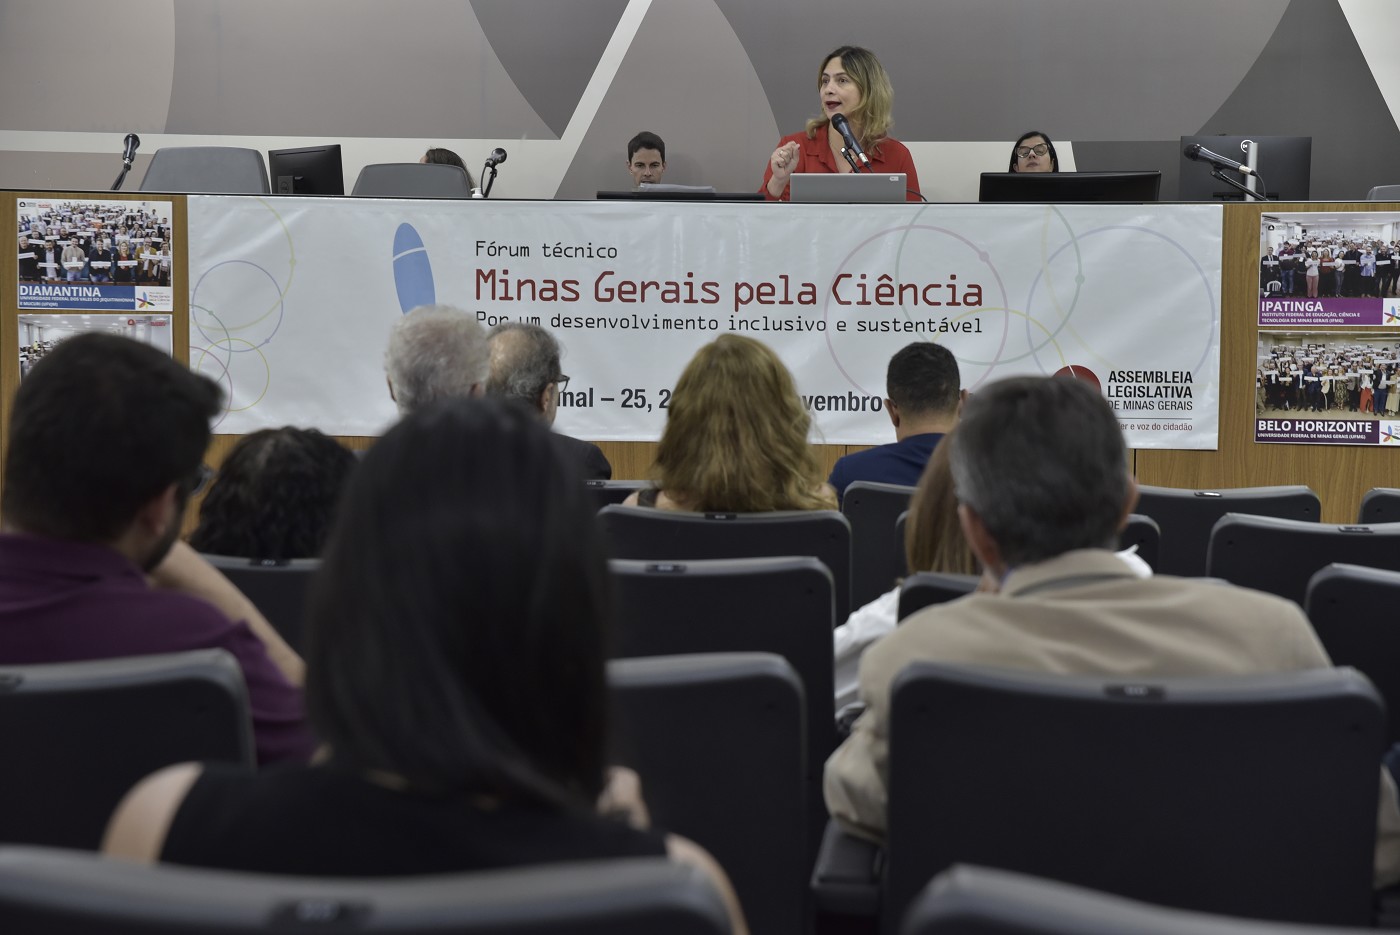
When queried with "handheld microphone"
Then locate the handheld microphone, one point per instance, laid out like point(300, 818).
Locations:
point(843, 127)
point(129, 148)
point(497, 157)
point(1199, 153)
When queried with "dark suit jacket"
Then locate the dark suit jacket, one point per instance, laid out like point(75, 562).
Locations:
point(592, 464)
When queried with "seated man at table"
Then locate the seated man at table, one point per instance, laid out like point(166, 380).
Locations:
point(106, 446)
point(924, 399)
point(646, 158)
point(1041, 478)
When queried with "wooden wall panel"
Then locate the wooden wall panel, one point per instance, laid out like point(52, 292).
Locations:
point(1339, 474)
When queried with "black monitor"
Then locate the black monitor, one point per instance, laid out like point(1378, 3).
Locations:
point(1284, 162)
point(1043, 187)
point(311, 170)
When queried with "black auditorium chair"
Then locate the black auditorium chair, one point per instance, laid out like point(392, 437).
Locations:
point(1353, 611)
point(224, 170)
point(1145, 534)
point(968, 900)
point(277, 589)
point(1380, 505)
point(877, 552)
point(79, 735)
point(923, 588)
point(772, 605)
point(1186, 517)
point(1165, 790)
point(412, 180)
point(718, 742)
point(1141, 531)
point(670, 535)
point(608, 492)
point(47, 891)
point(1281, 555)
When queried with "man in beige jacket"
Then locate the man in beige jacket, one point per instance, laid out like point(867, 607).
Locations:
point(1043, 489)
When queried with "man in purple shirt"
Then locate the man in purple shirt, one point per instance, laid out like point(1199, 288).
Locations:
point(925, 398)
point(107, 439)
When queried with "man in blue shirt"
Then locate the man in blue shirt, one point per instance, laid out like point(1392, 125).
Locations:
point(925, 398)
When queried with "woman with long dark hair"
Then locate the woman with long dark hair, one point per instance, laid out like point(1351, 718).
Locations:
point(455, 671)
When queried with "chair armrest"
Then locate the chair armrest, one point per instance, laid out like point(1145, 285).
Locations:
point(1387, 908)
point(846, 719)
point(846, 879)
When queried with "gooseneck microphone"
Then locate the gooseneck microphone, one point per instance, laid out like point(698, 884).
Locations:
point(488, 171)
point(1199, 153)
point(843, 127)
point(128, 154)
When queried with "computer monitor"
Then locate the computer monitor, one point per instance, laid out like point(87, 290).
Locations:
point(311, 170)
point(1051, 187)
point(837, 188)
point(1284, 162)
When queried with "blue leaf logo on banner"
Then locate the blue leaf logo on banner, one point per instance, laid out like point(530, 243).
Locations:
point(413, 274)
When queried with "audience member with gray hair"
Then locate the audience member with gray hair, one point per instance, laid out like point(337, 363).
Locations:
point(525, 368)
point(1043, 487)
point(435, 352)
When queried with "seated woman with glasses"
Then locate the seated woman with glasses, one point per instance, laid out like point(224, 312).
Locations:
point(456, 647)
point(1034, 152)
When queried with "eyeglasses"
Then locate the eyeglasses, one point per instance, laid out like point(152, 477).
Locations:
point(1040, 149)
point(197, 482)
point(562, 381)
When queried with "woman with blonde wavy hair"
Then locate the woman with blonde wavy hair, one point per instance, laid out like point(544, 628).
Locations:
point(853, 84)
point(736, 437)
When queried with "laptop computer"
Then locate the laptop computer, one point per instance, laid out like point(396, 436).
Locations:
point(848, 187)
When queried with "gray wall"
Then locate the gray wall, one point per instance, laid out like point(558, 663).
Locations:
point(562, 84)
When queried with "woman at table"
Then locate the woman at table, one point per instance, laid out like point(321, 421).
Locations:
point(438, 156)
point(853, 83)
point(1034, 152)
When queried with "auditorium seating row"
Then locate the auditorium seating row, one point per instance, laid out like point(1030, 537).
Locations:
point(1150, 789)
point(730, 747)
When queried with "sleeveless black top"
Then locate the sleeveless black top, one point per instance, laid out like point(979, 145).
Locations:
point(320, 821)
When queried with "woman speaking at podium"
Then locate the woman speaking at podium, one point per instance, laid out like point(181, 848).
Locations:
point(852, 83)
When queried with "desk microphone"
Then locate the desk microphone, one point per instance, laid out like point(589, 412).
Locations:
point(128, 154)
point(843, 127)
point(1199, 153)
point(488, 172)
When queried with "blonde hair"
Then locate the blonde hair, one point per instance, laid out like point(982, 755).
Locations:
point(873, 116)
point(736, 435)
point(933, 537)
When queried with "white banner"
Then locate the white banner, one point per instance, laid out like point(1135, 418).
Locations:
point(292, 299)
